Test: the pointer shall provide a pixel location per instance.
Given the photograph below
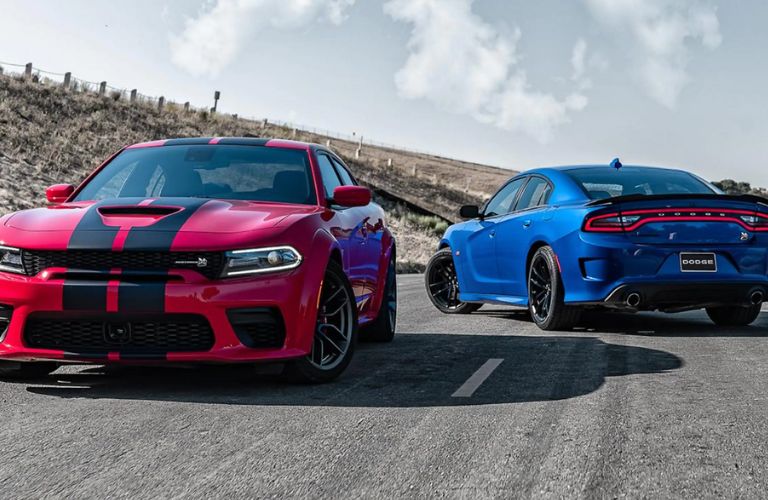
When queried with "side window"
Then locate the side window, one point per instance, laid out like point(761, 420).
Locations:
point(346, 177)
point(502, 202)
point(536, 193)
point(330, 177)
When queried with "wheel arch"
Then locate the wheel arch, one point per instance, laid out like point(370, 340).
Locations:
point(531, 252)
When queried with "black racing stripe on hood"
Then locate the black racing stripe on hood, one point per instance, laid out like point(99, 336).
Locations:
point(160, 235)
point(91, 233)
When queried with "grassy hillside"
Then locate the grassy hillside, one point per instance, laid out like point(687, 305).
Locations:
point(50, 135)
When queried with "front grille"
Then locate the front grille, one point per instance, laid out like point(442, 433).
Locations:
point(144, 335)
point(92, 260)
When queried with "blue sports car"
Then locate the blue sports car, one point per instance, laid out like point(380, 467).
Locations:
point(562, 240)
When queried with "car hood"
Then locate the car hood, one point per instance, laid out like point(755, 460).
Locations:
point(139, 224)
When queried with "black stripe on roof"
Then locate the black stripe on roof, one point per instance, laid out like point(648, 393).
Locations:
point(243, 141)
point(189, 141)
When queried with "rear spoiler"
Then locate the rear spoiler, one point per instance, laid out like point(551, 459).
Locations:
point(651, 197)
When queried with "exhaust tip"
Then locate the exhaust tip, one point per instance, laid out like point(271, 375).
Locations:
point(633, 299)
point(757, 297)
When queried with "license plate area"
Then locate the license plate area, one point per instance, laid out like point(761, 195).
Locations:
point(698, 262)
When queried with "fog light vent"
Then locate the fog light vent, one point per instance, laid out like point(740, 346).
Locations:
point(6, 312)
point(259, 328)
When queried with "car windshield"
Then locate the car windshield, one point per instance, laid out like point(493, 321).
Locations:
point(209, 171)
point(604, 182)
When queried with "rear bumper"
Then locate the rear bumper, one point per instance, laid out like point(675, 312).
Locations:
point(227, 307)
point(604, 269)
point(680, 296)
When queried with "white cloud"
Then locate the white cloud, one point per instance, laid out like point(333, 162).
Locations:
point(211, 40)
point(578, 60)
point(663, 29)
point(465, 65)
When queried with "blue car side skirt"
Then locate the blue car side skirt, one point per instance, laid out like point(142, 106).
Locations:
point(494, 299)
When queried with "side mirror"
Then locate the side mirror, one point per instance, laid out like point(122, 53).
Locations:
point(59, 193)
point(352, 196)
point(469, 212)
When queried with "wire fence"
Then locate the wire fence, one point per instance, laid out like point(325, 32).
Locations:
point(67, 80)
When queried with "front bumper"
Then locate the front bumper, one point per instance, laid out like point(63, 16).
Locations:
point(227, 306)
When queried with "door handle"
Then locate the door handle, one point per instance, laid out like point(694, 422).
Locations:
point(527, 223)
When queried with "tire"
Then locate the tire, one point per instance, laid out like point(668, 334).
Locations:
point(335, 335)
point(382, 329)
point(546, 294)
point(13, 370)
point(734, 316)
point(443, 285)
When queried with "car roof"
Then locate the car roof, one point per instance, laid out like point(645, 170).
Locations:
point(566, 168)
point(232, 141)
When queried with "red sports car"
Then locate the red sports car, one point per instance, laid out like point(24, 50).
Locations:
point(195, 251)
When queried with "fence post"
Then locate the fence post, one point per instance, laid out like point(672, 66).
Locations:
point(1, 70)
point(186, 106)
point(102, 88)
point(328, 143)
point(389, 162)
point(413, 170)
point(28, 70)
point(357, 153)
point(134, 94)
point(160, 103)
point(265, 123)
point(67, 79)
point(294, 133)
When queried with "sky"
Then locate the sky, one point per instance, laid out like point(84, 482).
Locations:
point(514, 83)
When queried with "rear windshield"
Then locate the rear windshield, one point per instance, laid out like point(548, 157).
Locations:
point(605, 182)
point(208, 171)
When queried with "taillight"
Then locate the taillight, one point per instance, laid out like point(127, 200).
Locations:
point(610, 223)
point(617, 222)
point(757, 222)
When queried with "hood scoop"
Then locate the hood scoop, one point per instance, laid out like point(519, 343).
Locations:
point(138, 211)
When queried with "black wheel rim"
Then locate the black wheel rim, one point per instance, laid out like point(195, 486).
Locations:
point(540, 289)
point(443, 284)
point(333, 333)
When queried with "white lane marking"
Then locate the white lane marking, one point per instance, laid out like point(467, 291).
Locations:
point(477, 379)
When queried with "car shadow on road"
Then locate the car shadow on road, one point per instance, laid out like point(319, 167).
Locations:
point(417, 370)
point(688, 324)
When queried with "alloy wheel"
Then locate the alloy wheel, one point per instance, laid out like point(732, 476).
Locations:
point(443, 284)
point(333, 333)
point(540, 289)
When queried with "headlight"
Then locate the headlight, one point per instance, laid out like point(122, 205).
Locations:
point(261, 260)
point(10, 260)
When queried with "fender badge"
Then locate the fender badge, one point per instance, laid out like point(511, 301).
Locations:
point(744, 236)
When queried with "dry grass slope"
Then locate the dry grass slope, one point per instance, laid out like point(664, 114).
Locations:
point(50, 135)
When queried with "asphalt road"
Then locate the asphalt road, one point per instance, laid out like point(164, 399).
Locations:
point(475, 406)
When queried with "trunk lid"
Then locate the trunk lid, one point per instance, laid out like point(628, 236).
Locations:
point(696, 220)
